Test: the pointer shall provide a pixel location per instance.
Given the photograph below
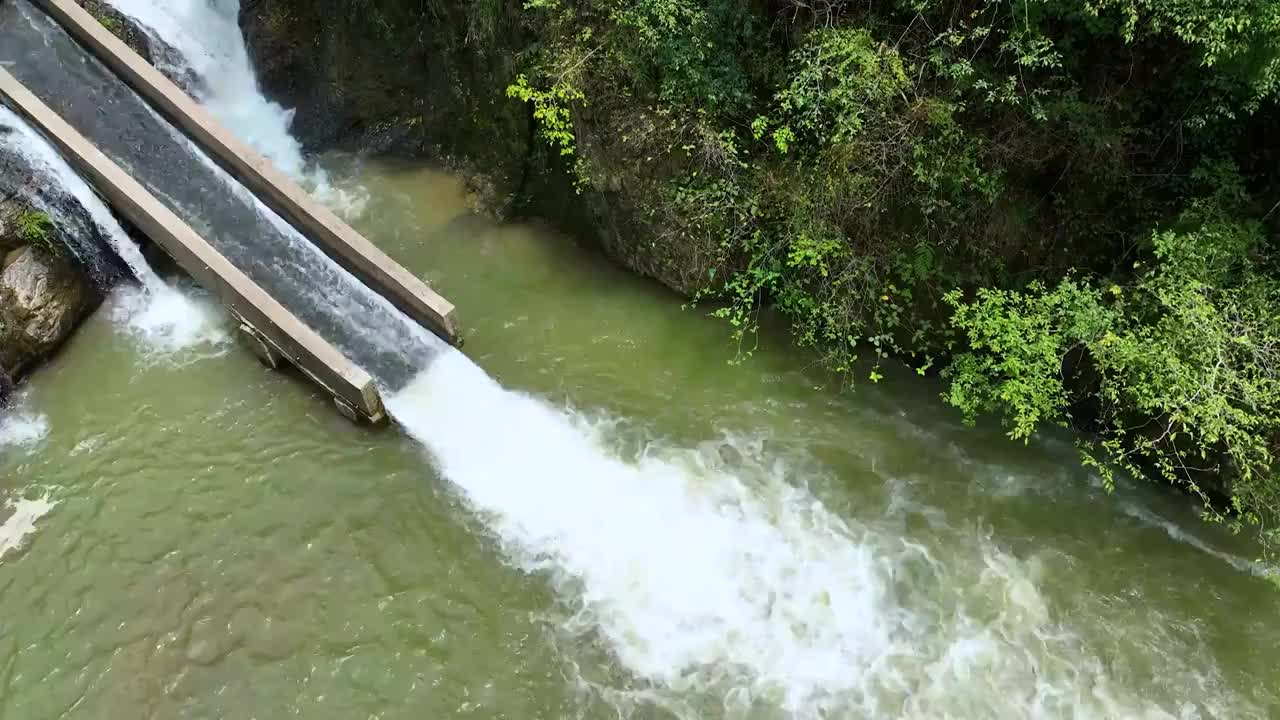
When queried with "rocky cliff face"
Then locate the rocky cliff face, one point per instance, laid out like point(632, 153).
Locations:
point(390, 78)
point(44, 291)
point(419, 84)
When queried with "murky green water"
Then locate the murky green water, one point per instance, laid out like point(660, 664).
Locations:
point(654, 533)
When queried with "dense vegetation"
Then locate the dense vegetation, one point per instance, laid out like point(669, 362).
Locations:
point(1068, 208)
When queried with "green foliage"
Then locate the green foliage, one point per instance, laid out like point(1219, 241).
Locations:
point(1241, 38)
point(36, 229)
point(1026, 194)
point(389, 21)
point(686, 47)
point(278, 19)
point(551, 110)
point(1019, 342)
point(842, 82)
point(111, 23)
point(1181, 367)
point(880, 177)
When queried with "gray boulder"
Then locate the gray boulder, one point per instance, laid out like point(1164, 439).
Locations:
point(42, 299)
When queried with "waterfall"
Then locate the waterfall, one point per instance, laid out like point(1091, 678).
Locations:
point(166, 318)
point(207, 34)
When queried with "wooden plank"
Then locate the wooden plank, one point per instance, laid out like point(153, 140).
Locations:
point(292, 338)
point(317, 223)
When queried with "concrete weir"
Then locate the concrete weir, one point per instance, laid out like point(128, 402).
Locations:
point(318, 224)
point(279, 332)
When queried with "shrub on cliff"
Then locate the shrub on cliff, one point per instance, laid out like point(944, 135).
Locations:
point(1009, 189)
point(1177, 368)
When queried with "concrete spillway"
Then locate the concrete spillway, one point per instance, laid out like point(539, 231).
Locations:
point(305, 286)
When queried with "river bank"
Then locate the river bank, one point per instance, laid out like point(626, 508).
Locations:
point(224, 543)
point(895, 202)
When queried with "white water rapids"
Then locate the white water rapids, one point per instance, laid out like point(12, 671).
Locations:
point(701, 577)
point(20, 427)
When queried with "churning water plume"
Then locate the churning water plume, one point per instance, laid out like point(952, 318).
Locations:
point(21, 428)
point(706, 578)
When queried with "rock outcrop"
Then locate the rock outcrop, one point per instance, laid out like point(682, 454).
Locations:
point(425, 85)
point(163, 56)
point(55, 266)
point(431, 84)
point(43, 293)
point(42, 298)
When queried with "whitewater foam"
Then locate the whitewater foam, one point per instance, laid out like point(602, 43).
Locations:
point(679, 566)
point(22, 522)
point(1178, 533)
point(21, 428)
point(725, 579)
point(170, 321)
point(207, 33)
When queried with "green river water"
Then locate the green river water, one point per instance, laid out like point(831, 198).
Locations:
point(634, 528)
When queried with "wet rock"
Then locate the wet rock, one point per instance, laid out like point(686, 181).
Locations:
point(6, 387)
point(24, 190)
point(421, 82)
point(9, 240)
point(120, 25)
point(47, 281)
point(42, 299)
point(162, 55)
point(730, 455)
